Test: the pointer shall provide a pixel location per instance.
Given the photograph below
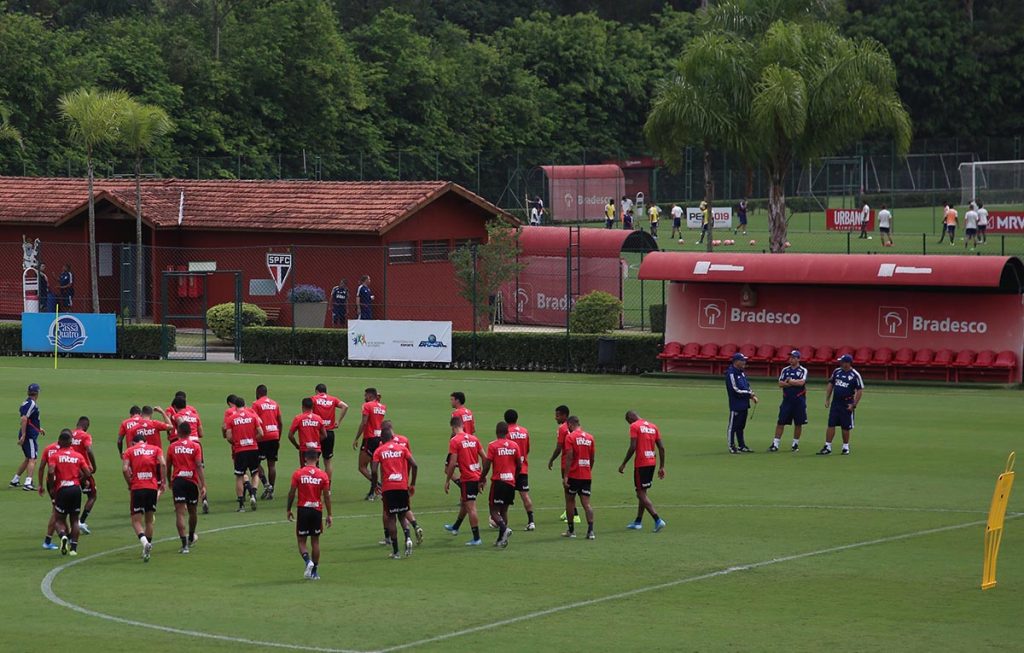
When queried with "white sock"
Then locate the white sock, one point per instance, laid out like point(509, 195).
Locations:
point(144, 540)
point(846, 447)
point(796, 443)
point(15, 479)
point(776, 441)
point(828, 445)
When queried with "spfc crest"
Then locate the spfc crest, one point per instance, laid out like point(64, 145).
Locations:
point(280, 266)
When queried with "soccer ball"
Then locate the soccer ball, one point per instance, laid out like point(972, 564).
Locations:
point(716, 242)
point(787, 244)
point(752, 242)
point(682, 242)
point(869, 237)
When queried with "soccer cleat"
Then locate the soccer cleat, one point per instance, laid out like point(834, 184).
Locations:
point(240, 508)
point(658, 525)
point(147, 550)
point(206, 506)
point(73, 553)
point(184, 549)
point(394, 556)
point(530, 527)
point(408, 547)
point(824, 451)
point(315, 576)
point(385, 542)
point(746, 449)
point(195, 538)
point(503, 542)
point(591, 536)
point(14, 484)
point(252, 502)
point(476, 542)
point(795, 448)
point(576, 520)
point(64, 544)
point(309, 570)
point(569, 534)
point(733, 450)
point(50, 547)
point(369, 496)
point(490, 523)
point(772, 449)
point(562, 517)
point(844, 452)
point(28, 487)
point(419, 535)
point(266, 493)
point(635, 526)
point(451, 529)
point(85, 529)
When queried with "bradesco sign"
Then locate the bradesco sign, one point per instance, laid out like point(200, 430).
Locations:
point(847, 219)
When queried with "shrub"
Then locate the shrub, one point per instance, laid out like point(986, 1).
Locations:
point(221, 319)
point(10, 338)
point(306, 294)
point(595, 312)
point(657, 312)
point(143, 340)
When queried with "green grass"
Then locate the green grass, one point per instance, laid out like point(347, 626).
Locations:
point(924, 458)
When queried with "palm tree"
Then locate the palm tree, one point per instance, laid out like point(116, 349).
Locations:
point(142, 124)
point(9, 132)
point(93, 118)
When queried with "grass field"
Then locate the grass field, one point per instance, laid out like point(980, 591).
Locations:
point(880, 550)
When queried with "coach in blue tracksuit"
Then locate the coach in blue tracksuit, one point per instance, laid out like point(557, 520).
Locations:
point(740, 395)
point(844, 391)
point(28, 437)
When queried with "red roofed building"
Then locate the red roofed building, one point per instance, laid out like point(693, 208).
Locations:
point(399, 233)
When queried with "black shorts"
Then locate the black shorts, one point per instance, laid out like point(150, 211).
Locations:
point(143, 501)
point(247, 461)
point(793, 411)
point(309, 521)
point(396, 502)
point(883, 230)
point(502, 493)
point(523, 482)
point(970, 232)
point(469, 490)
point(327, 446)
point(579, 486)
point(68, 500)
point(370, 444)
point(951, 229)
point(982, 228)
point(840, 415)
point(185, 491)
point(269, 449)
point(643, 477)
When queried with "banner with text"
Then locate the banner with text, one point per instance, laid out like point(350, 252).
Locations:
point(80, 333)
point(847, 219)
point(1006, 222)
point(400, 340)
point(539, 296)
point(721, 215)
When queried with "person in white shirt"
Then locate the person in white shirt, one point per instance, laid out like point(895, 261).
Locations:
point(970, 227)
point(865, 214)
point(982, 223)
point(885, 226)
point(677, 220)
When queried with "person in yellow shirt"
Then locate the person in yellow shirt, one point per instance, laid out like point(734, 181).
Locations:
point(654, 213)
point(949, 222)
point(609, 214)
point(705, 212)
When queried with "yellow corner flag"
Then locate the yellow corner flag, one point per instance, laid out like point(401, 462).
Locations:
point(994, 527)
point(56, 332)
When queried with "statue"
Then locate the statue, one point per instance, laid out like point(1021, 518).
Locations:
point(30, 253)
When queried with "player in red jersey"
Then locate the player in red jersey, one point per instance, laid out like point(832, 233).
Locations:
point(332, 410)
point(188, 483)
point(134, 415)
point(81, 441)
point(369, 430)
point(409, 519)
point(313, 488)
point(270, 415)
point(644, 438)
point(579, 461)
point(521, 437)
point(464, 452)
point(505, 457)
point(311, 430)
point(150, 427)
point(561, 416)
point(67, 468)
point(227, 414)
point(145, 472)
point(398, 471)
point(54, 523)
point(245, 431)
point(179, 412)
point(459, 410)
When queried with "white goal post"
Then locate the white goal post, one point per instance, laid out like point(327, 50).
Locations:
point(992, 182)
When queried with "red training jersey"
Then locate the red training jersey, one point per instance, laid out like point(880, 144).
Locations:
point(563, 430)
point(374, 411)
point(582, 445)
point(644, 435)
point(503, 454)
point(270, 415)
point(127, 425)
point(310, 428)
point(80, 442)
point(143, 463)
point(466, 449)
point(400, 440)
point(311, 483)
point(466, 415)
point(243, 425)
point(228, 412)
point(190, 416)
point(186, 456)
point(67, 467)
point(393, 459)
point(151, 429)
point(521, 437)
point(324, 405)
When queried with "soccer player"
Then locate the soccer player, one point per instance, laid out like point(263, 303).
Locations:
point(46, 481)
point(865, 216)
point(644, 437)
point(741, 213)
point(609, 214)
point(705, 220)
point(332, 410)
point(561, 418)
point(188, 483)
point(844, 392)
point(970, 227)
point(505, 458)
point(464, 451)
point(398, 471)
point(28, 437)
point(459, 410)
point(269, 413)
point(579, 459)
point(311, 431)
point(245, 431)
point(654, 213)
point(67, 468)
point(179, 412)
point(740, 395)
point(313, 488)
point(677, 221)
point(793, 409)
point(885, 226)
point(518, 434)
point(339, 304)
point(949, 222)
point(231, 408)
point(373, 413)
point(982, 222)
point(81, 442)
point(150, 427)
point(134, 415)
point(410, 517)
point(145, 472)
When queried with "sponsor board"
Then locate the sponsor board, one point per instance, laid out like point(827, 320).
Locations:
point(540, 295)
point(81, 333)
point(721, 215)
point(847, 219)
point(1006, 222)
point(400, 340)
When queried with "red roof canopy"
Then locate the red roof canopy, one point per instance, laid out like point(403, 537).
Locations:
point(837, 269)
point(599, 243)
point(596, 171)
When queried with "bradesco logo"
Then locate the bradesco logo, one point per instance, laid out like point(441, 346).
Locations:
point(896, 322)
point(715, 314)
point(893, 321)
point(712, 313)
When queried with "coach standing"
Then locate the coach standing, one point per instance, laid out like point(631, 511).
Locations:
point(845, 389)
point(365, 298)
point(28, 437)
point(740, 395)
point(339, 304)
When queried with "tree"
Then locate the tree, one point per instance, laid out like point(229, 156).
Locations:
point(141, 126)
point(481, 270)
point(93, 118)
point(9, 132)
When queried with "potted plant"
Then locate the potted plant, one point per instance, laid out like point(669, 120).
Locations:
point(309, 306)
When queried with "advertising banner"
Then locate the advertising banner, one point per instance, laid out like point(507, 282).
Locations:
point(540, 297)
point(80, 333)
point(582, 199)
point(1006, 222)
point(721, 215)
point(400, 340)
point(847, 219)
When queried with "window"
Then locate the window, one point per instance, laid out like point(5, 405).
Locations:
point(402, 252)
point(434, 250)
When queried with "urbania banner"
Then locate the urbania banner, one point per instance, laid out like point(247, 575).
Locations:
point(400, 340)
point(721, 215)
point(79, 333)
point(847, 219)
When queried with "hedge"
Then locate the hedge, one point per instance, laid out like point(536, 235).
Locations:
point(495, 351)
point(133, 340)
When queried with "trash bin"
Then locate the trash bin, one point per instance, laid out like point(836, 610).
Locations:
point(606, 352)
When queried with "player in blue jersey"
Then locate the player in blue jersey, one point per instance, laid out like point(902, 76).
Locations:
point(844, 392)
point(793, 409)
point(740, 395)
point(28, 437)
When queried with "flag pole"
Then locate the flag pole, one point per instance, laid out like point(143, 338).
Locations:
point(56, 333)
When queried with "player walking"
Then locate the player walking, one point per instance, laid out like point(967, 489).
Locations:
point(885, 226)
point(81, 442)
point(644, 437)
point(245, 431)
point(145, 472)
point(332, 410)
point(793, 409)
point(844, 392)
point(398, 471)
point(188, 483)
point(311, 430)
point(48, 453)
point(149, 427)
point(740, 395)
point(504, 457)
point(464, 451)
point(677, 221)
point(313, 488)
point(28, 437)
point(518, 434)
point(409, 520)
point(561, 418)
point(970, 227)
point(982, 223)
point(949, 222)
point(459, 410)
point(67, 469)
point(579, 458)
point(134, 415)
point(373, 413)
point(269, 413)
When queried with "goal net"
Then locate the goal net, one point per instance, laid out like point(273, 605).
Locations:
point(992, 182)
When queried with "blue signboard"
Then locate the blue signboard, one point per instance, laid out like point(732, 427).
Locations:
point(80, 333)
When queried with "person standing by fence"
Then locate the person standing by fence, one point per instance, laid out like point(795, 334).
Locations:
point(339, 304)
point(365, 298)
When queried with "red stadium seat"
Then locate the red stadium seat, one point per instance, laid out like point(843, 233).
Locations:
point(964, 358)
point(985, 358)
point(806, 352)
point(1006, 360)
point(882, 356)
point(823, 354)
point(922, 358)
point(749, 350)
point(726, 351)
point(764, 353)
point(943, 358)
point(782, 353)
point(862, 356)
point(708, 351)
point(904, 356)
point(690, 350)
point(843, 351)
point(671, 350)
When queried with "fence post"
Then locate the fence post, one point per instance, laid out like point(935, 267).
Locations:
point(924, 243)
point(568, 299)
point(291, 250)
point(641, 293)
point(848, 241)
point(1002, 245)
point(476, 316)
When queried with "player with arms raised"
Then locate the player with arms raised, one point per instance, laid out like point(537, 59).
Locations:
point(145, 472)
point(373, 413)
point(505, 458)
point(398, 471)
point(313, 489)
point(645, 443)
point(188, 483)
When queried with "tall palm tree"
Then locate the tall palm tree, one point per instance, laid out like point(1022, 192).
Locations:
point(93, 118)
point(142, 124)
point(9, 132)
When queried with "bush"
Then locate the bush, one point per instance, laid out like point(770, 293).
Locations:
point(10, 338)
point(306, 294)
point(283, 344)
point(221, 319)
point(595, 312)
point(657, 313)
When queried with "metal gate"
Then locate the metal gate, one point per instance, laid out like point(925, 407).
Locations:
point(184, 301)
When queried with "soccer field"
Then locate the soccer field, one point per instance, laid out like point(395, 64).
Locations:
point(880, 550)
